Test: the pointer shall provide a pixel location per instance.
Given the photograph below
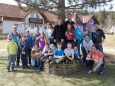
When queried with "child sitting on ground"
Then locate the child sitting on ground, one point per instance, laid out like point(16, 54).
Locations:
point(12, 49)
point(69, 52)
point(54, 48)
point(46, 53)
point(36, 53)
point(58, 54)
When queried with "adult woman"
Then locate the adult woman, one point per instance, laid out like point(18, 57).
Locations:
point(49, 34)
point(87, 43)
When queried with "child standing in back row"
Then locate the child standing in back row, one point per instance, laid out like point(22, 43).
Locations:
point(12, 49)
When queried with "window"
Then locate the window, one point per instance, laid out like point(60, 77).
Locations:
point(18, 25)
point(32, 26)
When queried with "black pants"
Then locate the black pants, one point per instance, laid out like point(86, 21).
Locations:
point(24, 60)
point(84, 55)
point(29, 55)
point(18, 57)
point(90, 64)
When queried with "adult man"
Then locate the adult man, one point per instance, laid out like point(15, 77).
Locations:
point(98, 37)
point(16, 36)
point(95, 61)
point(59, 32)
point(69, 21)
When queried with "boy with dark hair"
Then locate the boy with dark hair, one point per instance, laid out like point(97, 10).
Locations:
point(24, 52)
point(46, 53)
point(95, 61)
point(12, 49)
point(36, 53)
point(29, 44)
point(58, 54)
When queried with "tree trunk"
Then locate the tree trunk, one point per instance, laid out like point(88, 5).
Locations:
point(61, 9)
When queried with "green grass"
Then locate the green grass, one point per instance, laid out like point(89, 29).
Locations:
point(3, 44)
point(29, 77)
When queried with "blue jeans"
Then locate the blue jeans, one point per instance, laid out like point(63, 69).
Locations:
point(99, 47)
point(11, 61)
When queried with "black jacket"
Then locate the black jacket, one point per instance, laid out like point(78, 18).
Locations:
point(69, 22)
point(97, 36)
point(59, 32)
point(23, 47)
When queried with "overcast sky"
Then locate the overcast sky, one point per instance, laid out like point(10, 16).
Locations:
point(14, 3)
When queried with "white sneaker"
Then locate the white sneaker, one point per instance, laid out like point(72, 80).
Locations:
point(90, 72)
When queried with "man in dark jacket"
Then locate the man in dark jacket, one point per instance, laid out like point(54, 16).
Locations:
point(69, 21)
point(59, 32)
point(16, 36)
point(98, 37)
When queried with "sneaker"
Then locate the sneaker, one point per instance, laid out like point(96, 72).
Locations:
point(39, 70)
point(100, 73)
point(8, 70)
point(51, 62)
point(90, 72)
point(12, 69)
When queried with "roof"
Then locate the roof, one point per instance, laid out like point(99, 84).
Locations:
point(49, 17)
point(86, 18)
point(12, 11)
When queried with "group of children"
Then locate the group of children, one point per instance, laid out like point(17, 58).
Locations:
point(41, 54)
point(54, 55)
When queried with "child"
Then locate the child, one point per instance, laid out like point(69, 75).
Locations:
point(54, 48)
point(42, 41)
point(36, 53)
point(23, 52)
point(69, 52)
point(58, 54)
point(29, 44)
point(45, 56)
point(76, 53)
point(12, 49)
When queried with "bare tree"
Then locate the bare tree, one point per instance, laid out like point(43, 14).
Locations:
point(59, 7)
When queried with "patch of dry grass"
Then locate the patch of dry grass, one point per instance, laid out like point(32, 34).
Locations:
point(109, 41)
